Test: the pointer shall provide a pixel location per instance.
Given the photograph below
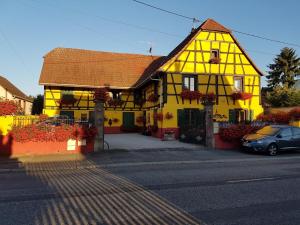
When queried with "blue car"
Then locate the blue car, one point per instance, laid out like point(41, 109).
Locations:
point(272, 139)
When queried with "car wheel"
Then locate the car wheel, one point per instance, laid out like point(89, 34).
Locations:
point(272, 149)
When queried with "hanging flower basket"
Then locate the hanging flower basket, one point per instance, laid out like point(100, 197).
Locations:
point(67, 100)
point(241, 96)
point(215, 60)
point(152, 98)
point(191, 95)
point(115, 102)
point(208, 99)
point(101, 95)
point(169, 116)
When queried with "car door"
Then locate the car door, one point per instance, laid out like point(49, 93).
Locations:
point(296, 137)
point(285, 139)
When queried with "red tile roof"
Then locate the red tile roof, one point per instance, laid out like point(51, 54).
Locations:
point(86, 68)
point(6, 84)
point(212, 25)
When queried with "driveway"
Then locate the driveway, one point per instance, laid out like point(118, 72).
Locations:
point(134, 141)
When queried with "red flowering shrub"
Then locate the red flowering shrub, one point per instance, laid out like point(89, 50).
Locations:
point(43, 117)
point(236, 132)
point(279, 117)
point(44, 133)
point(101, 94)
point(295, 113)
point(187, 94)
point(9, 107)
point(169, 116)
point(152, 98)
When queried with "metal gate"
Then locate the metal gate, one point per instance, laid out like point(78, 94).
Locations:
point(191, 123)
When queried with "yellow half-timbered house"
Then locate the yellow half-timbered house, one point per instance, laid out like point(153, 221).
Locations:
point(146, 91)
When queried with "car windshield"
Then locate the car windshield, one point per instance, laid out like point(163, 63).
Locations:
point(268, 130)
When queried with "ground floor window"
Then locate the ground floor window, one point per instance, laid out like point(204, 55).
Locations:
point(240, 115)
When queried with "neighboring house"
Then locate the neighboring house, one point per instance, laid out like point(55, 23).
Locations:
point(11, 92)
point(144, 87)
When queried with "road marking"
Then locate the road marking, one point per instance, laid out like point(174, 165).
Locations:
point(252, 180)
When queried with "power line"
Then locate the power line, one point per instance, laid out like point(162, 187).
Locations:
point(197, 20)
point(167, 11)
point(124, 23)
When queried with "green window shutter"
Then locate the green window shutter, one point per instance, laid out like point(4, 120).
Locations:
point(180, 117)
point(196, 82)
point(251, 115)
point(232, 116)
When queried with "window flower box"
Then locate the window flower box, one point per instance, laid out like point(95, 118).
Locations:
point(215, 60)
point(191, 95)
point(241, 96)
point(207, 99)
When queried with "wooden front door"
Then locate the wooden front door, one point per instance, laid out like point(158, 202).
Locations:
point(191, 124)
point(128, 121)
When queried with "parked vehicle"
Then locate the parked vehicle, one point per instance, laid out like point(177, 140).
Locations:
point(272, 139)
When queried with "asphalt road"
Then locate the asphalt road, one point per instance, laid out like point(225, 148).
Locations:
point(154, 187)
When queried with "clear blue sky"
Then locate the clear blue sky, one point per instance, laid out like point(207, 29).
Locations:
point(31, 28)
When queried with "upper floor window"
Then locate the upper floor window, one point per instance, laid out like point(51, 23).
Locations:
point(215, 54)
point(190, 82)
point(238, 83)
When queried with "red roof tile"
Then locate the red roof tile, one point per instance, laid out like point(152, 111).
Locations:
point(86, 68)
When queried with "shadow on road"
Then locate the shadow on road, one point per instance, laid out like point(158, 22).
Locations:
point(79, 192)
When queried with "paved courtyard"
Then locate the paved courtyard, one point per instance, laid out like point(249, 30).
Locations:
point(135, 141)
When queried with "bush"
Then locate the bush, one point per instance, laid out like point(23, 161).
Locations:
point(45, 132)
point(236, 132)
point(283, 97)
point(280, 117)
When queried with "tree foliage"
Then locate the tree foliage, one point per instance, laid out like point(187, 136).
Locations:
point(285, 69)
point(283, 97)
point(38, 104)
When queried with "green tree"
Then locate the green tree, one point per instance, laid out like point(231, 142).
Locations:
point(38, 105)
point(285, 69)
point(283, 97)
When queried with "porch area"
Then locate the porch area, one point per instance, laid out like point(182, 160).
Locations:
point(135, 141)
